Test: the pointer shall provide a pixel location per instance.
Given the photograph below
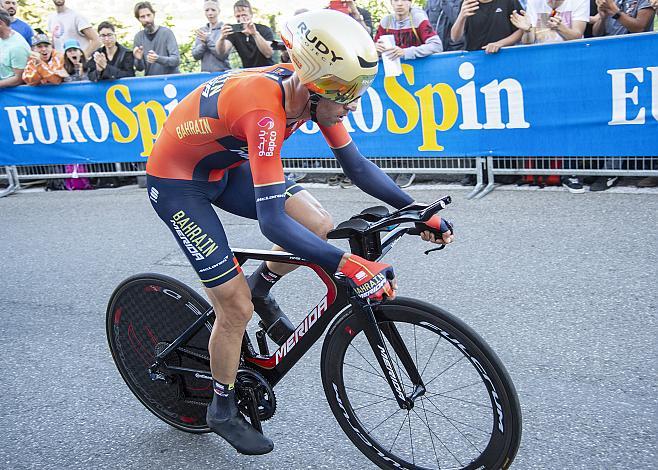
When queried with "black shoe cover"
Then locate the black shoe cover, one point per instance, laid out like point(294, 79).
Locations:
point(239, 433)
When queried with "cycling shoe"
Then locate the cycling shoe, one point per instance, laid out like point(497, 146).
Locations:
point(239, 433)
point(275, 323)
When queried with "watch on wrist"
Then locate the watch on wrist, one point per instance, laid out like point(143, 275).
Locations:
point(616, 15)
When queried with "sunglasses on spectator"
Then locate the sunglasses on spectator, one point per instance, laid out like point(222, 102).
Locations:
point(106, 36)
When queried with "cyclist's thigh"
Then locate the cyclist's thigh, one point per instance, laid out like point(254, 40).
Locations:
point(185, 207)
point(239, 197)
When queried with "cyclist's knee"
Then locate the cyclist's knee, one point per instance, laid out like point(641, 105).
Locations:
point(236, 314)
point(323, 224)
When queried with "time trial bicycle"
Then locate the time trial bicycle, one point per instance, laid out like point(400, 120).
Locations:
point(411, 385)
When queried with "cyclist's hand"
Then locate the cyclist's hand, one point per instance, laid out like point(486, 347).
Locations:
point(443, 227)
point(370, 280)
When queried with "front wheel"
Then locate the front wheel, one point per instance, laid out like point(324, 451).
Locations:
point(468, 415)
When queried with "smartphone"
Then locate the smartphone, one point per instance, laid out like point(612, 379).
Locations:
point(237, 27)
point(339, 6)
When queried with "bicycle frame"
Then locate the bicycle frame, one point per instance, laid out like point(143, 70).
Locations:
point(337, 299)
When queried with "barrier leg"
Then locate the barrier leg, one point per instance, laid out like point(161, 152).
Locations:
point(12, 179)
point(479, 184)
point(490, 176)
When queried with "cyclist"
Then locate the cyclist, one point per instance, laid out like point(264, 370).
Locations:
point(221, 146)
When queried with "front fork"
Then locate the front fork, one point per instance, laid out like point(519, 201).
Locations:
point(375, 334)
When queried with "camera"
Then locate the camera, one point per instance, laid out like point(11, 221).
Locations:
point(278, 45)
point(237, 27)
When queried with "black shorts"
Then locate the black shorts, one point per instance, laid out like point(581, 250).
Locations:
point(186, 208)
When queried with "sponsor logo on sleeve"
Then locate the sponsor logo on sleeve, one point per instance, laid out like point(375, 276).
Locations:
point(266, 137)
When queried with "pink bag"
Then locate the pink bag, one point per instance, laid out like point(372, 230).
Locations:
point(75, 182)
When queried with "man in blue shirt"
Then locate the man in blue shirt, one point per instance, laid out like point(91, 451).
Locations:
point(17, 25)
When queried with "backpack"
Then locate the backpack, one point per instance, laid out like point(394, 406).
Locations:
point(76, 182)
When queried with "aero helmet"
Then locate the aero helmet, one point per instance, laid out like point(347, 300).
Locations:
point(333, 55)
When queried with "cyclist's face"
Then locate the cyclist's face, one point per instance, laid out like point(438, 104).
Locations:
point(330, 112)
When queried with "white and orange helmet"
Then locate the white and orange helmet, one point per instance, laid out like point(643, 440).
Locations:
point(333, 55)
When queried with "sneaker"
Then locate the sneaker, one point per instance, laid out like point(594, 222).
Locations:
point(296, 177)
point(334, 180)
point(468, 180)
point(346, 183)
point(276, 324)
point(404, 180)
point(648, 182)
point(603, 183)
point(238, 432)
point(573, 184)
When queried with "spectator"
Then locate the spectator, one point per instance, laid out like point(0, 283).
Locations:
point(442, 14)
point(17, 25)
point(111, 61)
point(361, 15)
point(414, 37)
point(543, 23)
point(46, 65)
point(252, 42)
point(74, 62)
point(618, 17)
point(206, 37)
point(481, 26)
point(68, 24)
point(14, 53)
point(155, 49)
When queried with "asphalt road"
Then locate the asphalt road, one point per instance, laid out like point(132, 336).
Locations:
point(562, 286)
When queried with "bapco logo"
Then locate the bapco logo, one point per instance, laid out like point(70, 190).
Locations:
point(266, 122)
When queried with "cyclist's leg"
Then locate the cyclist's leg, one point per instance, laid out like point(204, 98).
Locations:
point(185, 207)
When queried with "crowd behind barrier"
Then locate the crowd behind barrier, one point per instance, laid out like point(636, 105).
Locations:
point(73, 50)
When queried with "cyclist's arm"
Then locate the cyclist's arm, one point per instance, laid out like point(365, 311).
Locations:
point(267, 172)
point(363, 173)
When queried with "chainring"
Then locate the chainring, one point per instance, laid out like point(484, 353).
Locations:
point(250, 379)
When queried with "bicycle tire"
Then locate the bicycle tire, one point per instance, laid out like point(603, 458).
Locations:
point(485, 434)
point(146, 312)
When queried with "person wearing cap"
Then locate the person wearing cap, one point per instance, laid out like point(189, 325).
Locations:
point(206, 38)
point(14, 53)
point(67, 24)
point(46, 65)
point(17, 24)
point(74, 62)
point(221, 146)
point(113, 60)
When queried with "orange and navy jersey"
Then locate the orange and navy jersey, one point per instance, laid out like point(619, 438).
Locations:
point(236, 116)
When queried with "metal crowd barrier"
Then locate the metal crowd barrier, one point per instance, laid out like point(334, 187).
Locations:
point(479, 166)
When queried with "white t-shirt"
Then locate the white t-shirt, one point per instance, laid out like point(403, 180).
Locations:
point(68, 25)
point(539, 11)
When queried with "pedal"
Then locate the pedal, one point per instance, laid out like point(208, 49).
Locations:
point(279, 331)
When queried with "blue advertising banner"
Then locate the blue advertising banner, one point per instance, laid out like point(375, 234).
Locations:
point(582, 98)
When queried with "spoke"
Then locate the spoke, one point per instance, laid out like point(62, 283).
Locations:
point(443, 392)
point(441, 441)
point(432, 354)
point(369, 393)
point(374, 403)
point(479, 405)
point(426, 422)
point(415, 345)
point(369, 363)
point(446, 369)
point(447, 418)
point(456, 428)
point(411, 439)
point(396, 436)
point(366, 371)
point(384, 420)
